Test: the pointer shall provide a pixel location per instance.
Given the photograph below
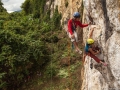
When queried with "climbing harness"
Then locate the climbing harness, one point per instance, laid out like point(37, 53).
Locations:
point(74, 29)
point(73, 26)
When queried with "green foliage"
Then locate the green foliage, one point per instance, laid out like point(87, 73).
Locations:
point(2, 84)
point(68, 53)
point(25, 37)
point(2, 9)
point(45, 27)
point(47, 16)
point(51, 71)
point(34, 7)
point(63, 73)
point(19, 53)
point(21, 50)
point(66, 4)
point(27, 6)
point(56, 19)
point(54, 39)
point(1, 24)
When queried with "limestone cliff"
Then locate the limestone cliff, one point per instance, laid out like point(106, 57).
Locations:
point(104, 14)
point(66, 8)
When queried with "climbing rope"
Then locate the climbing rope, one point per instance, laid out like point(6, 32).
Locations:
point(89, 15)
point(69, 69)
point(72, 45)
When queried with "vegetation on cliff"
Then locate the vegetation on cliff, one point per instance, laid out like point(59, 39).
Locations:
point(32, 44)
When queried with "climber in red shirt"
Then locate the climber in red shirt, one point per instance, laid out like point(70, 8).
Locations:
point(72, 25)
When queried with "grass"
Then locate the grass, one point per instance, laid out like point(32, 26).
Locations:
point(71, 82)
point(67, 78)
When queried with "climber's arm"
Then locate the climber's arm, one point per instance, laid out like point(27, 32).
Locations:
point(94, 53)
point(91, 33)
point(80, 24)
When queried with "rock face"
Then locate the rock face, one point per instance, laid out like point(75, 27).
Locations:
point(66, 8)
point(104, 14)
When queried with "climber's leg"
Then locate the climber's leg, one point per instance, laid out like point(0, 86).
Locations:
point(75, 42)
point(97, 59)
point(94, 57)
point(84, 56)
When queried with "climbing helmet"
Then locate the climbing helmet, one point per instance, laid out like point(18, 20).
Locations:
point(76, 15)
point(90, 41)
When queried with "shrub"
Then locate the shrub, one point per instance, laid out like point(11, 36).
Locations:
point(66, 4)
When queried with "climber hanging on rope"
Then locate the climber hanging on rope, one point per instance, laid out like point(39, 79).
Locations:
point(72, 25)
point(89, 49)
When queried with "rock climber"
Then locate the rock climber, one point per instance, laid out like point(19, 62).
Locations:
point(90, 49)
point(72, 25)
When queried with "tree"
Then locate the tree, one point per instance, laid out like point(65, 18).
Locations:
point(2, 9)
point(27, 7)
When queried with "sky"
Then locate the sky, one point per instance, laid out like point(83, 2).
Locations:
point(12, 5)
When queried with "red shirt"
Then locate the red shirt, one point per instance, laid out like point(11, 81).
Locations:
point(76, 23)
